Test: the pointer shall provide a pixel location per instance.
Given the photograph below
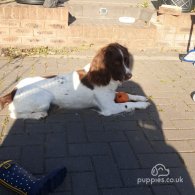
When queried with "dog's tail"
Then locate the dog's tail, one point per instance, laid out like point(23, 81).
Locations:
point(7, 99)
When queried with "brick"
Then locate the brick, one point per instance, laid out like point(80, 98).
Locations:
point(55, 145)
point(4, 31)
point(23, 12)
point(150, 160)
point(10, 40)
point(154, 134)
point(107, 172)
point(189, 160)
point(179, 134)
point(44, 33)
point(56, 41)
point(108, 136)
point(124, 155)
point(4, 23)
point(128, 191)
point(130, 177)
point(33, 41)
point(15, 12)
point(61, 33)
point(14, 23)
point(89, 149)
point(32, 158)
point(64, 13)
point(9, 152)
point(32, 12)
point(84, 183)
point(8, 12)
point(121, 125)
point(105, 32)
point(78, 164)
point(75, 31)
point(76, 133)
point(21, 32)
point(185, 187)
point(56, 25)
point(23, 140)
point(34, 24)
point(165, 189)
point(139, 142)
point(2, 14)
point(172, 146)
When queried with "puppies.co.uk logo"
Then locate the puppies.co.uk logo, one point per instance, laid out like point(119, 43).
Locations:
point(160, 175)
point(160, 170)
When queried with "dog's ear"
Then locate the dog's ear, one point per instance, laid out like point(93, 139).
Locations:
point(99, 73)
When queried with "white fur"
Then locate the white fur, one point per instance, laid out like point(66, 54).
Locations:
point(35, 95)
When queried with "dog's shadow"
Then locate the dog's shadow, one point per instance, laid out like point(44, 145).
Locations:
point(109, 155)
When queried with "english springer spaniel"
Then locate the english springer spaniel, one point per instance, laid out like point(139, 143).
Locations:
point(93, 86)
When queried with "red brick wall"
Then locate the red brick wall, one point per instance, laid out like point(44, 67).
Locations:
point(174, 31)
point(29, 25)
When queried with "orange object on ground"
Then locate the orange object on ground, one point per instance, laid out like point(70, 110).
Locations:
point(121, 97)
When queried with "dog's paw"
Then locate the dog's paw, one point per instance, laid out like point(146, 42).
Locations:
point(142, 98)
point(143, 105)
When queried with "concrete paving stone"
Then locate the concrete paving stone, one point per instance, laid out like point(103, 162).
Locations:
point(107, 173)
point(63, 118)
point(125, 159)
point(55, 145)
point(121, 125)
point(165, 189)
point(94, 126)
point(128, 191)
point(139, 142)
point(179, 134)
point(108, 136)
point(84, 183)
point(184, 185)
point(78, 164)
point(32, 158)
point(23, 140)
point(9, 152)
point(89, 149)
point(76, 133)
point(189, 159)
point(156, 134)
point(172, 146)
point(38, 128)
point(6, 191)
point(192, 144)
point(150, 160)
point(13, 126)
point(184, 124)
point(131, 177)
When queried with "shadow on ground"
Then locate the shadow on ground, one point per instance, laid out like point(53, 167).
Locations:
point(104, 155)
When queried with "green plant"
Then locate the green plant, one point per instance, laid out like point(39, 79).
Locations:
point(144, 4)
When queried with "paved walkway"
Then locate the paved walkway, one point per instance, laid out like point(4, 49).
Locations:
point(109, 155)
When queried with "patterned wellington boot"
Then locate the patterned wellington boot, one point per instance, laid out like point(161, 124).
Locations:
point(16, 178)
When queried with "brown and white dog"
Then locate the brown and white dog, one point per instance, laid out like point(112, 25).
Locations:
point(94, 86)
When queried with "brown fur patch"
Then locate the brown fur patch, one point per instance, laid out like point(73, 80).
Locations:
point(7, 99)
point(84, 79)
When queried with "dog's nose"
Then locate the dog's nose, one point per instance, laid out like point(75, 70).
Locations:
point(128, 76)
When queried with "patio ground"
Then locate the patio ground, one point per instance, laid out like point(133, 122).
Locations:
point(108, 155)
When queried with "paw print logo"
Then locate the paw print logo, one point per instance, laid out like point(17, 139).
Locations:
point(160, 170)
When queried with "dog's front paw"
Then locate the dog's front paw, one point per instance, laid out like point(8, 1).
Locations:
point(143, 105)
point(142, 98)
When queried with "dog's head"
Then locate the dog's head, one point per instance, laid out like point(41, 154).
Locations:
point(111, 62)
